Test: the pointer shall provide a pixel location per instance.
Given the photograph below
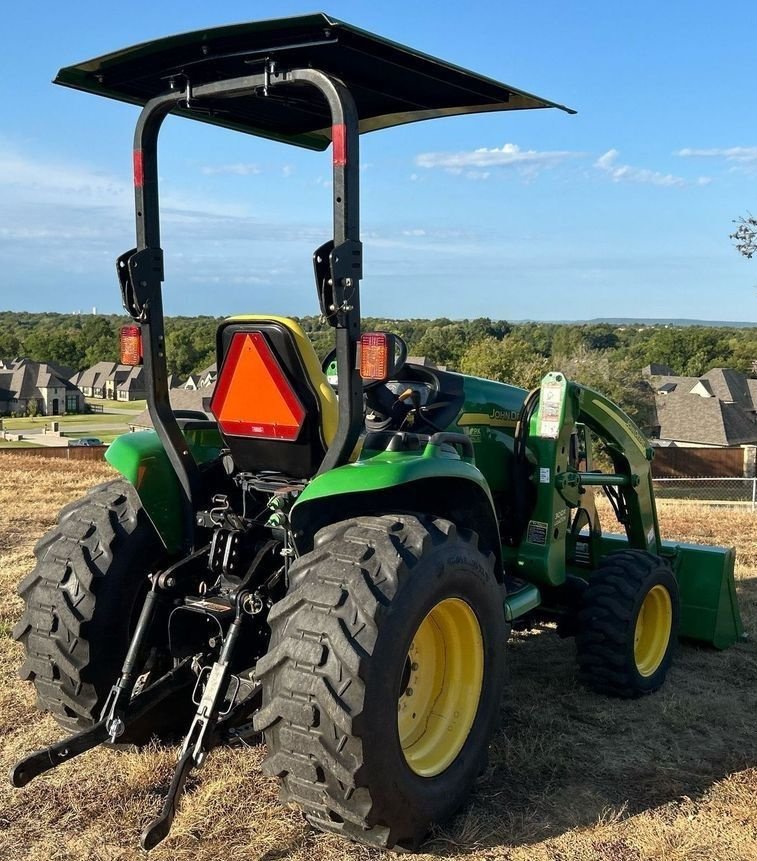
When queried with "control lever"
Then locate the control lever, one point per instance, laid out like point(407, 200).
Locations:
point(199, 739)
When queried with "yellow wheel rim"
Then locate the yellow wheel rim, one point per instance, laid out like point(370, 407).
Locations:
point(441, 687)
point(652, 634)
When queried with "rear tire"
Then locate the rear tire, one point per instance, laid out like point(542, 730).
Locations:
point(81, 602)
point(384, 619)
point(628, 625)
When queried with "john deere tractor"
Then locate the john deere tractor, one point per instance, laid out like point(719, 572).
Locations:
point(335, 557)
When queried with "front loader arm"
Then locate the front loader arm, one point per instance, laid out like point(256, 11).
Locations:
point(632, 457)
point(544, 438)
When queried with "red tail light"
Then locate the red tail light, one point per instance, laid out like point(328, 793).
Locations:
point(375, 355)
point(252, 396)
point(131, 345)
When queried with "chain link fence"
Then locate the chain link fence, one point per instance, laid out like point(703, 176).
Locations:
point(741, 492)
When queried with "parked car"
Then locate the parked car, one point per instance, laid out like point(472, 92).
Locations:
point(86, 440)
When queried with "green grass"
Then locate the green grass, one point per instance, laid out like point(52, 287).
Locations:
point(131, 406)
point(4, 443)
point(87, 419)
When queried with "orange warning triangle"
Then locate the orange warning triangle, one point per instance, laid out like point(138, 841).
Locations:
point(253, 397)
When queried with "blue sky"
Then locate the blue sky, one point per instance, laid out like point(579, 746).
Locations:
point(622, 210)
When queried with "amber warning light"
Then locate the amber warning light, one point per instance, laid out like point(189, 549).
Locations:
point(374, 355)
point(131, 345)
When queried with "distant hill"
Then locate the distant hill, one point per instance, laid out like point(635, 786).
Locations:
point(655, 321)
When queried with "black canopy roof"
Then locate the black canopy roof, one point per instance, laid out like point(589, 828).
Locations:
point(391, 84)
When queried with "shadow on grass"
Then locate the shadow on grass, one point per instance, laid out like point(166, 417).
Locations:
point(566, 758)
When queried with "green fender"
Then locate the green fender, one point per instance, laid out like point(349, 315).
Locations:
point(435, 481)
point(143, 462)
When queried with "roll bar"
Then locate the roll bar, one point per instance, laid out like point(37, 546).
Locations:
point(338, 263)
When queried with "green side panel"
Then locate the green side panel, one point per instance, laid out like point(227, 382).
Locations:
point(385, 469)
point(709, 606)
point(142, 460)
point(488, 417)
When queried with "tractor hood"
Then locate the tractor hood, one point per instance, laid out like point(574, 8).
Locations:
point(391, 84)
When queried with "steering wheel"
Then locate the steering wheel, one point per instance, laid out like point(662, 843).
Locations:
point(389, 407)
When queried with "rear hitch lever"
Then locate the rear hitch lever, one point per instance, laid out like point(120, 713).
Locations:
point(112, 721)
point(200, 737)
point(40, 761)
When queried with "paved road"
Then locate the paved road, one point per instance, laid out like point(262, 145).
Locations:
point(90, 429)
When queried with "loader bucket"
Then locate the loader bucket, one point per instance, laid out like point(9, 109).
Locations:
point(705, 574)
point(709, 609)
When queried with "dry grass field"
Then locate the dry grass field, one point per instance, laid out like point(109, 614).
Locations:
point(572, 776)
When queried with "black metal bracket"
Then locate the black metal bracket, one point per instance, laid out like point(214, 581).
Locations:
point(117, 703)
point(338, 271)
point(140, 274)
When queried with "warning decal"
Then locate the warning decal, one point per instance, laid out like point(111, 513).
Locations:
point(537, 532)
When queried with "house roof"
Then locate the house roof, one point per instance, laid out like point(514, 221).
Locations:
point(709, 421)
point(22, 379)
point(95, 376)
point(657, 369)
point(729, 385)
point(124, 377)
point(181, 399)
point(679, 384)
point(133, 380)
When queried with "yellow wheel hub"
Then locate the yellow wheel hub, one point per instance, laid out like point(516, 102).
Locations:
point(441, 687)
point(652, 634)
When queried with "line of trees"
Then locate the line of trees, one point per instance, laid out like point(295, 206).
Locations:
point(604, 356)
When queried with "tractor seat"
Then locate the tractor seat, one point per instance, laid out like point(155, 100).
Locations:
point(275, 408)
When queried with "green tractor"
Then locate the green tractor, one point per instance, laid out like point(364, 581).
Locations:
point(338, 567)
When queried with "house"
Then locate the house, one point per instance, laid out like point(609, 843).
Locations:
point(113, 381)
point(717, 409)
point(181, 399)
point(40, 387)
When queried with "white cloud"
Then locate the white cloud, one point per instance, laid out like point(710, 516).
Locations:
point(627, 173)
point(473, 164)
point(741, 158)
point(56, 180)
point(57, 197)
point(236, 169)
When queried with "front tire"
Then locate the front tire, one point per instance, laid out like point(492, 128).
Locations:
point(81, 601)
point(628, 625)
point(383, 679)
